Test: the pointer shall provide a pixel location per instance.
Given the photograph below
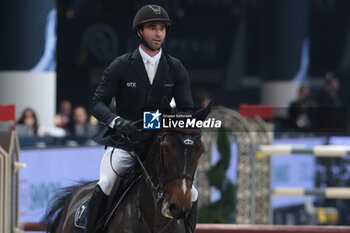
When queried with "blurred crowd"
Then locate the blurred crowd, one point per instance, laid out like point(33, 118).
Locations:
point(310, 111)
point(319, 111)
point(71, 124)
point(75, 122)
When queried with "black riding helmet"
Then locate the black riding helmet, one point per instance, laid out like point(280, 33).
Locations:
point(147, 14)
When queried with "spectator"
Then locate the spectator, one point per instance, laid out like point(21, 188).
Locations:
point(28, 125)
point(331, 114)
point(329, 97)
point(300, 110)
point(64, 115)
point(81, 125)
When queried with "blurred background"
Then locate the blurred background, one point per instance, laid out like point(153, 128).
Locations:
point(289, 55)
point(230, 47)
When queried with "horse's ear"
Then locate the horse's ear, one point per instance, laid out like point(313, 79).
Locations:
point(202, 113)
point(165, 105)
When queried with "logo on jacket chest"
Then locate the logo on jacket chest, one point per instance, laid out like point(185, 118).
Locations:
point(131, 84)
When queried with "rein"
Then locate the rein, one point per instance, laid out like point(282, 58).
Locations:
point(157, 190)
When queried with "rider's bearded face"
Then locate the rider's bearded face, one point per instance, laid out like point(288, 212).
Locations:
point(154, 34)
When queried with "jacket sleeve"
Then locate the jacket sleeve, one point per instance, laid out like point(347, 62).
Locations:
point(182, 93)
point(107, 87)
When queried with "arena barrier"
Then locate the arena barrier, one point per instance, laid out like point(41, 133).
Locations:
point(233, 228)
point(9, 185)
point(319, 151)
point(332, 193)
point(31, 226)
point(325, 151)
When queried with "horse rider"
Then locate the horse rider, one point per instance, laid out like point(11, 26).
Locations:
point(138, 80)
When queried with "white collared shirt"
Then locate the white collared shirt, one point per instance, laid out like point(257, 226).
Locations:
point(145, 58)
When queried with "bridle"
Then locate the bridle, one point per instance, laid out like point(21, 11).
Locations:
point(162, 180)
point(157, 190)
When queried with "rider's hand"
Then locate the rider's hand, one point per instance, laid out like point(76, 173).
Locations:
point(124, 127)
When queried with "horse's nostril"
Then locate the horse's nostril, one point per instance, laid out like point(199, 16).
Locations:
point(173, 208)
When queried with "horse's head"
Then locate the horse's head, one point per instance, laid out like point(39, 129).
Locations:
point(179, 153)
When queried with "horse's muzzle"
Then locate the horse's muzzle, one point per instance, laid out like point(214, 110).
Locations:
point(177, 212)
point(173, 210)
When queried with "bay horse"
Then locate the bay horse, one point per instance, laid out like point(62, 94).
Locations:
point(157, 202)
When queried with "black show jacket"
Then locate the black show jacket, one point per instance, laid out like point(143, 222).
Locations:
point(126, 79)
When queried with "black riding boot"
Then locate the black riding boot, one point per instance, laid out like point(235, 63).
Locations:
point(95, 209)
point(191, 219)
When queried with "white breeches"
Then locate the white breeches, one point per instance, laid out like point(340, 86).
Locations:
point(121, 162)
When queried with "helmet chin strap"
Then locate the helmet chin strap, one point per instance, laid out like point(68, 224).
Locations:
point(144, 42)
